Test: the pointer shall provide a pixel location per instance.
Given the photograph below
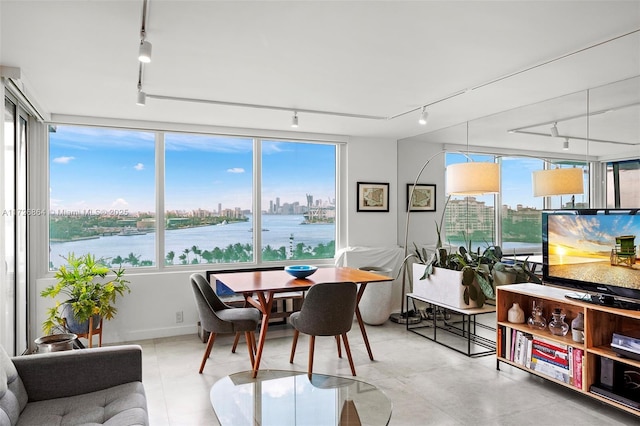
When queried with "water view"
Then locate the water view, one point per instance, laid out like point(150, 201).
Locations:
point(278, 231)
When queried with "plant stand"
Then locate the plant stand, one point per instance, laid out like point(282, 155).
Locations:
point(89, 335)
point(468, 331)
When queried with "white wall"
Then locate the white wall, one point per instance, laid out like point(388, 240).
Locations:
point(412, 155)
point(149, 311)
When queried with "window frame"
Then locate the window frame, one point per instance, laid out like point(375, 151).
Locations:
point(159, 129)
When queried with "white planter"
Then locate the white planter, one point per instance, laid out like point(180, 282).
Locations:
point(375, 305)
point(442, 286)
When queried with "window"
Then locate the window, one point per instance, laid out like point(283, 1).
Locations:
point(103, 198)
point(298, 200)
point(469, 219)
point(623, 190)
point(521, 212)
point(102, 194)
point(208, 199)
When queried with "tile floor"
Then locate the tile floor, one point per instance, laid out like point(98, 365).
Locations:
point(427, 383)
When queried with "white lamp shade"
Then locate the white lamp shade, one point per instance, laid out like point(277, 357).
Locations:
point(473, 178)
point(557, 182)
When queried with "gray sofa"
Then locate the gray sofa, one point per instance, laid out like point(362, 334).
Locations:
point(79, 387)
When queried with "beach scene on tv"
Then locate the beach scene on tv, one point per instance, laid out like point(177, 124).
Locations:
point(595, 248)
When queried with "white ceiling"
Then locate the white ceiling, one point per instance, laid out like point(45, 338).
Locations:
point(379, 58)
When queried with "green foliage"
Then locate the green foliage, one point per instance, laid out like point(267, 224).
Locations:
point(476, 267)
point(88, 290)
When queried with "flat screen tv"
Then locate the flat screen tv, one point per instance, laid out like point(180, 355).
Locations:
point(593, 250)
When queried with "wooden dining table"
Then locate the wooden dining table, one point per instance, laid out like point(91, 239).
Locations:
point(260, 287)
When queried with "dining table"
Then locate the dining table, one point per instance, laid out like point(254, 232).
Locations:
point(259, 288)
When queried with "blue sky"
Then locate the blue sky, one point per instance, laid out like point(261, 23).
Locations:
point(98, 168)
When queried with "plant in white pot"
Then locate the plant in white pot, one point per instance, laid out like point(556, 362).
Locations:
point(90, 292)
point(475, 271)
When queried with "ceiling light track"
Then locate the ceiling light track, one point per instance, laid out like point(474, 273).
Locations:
point(144, 54)
point(524, 132)
point(573, 117)
point(260, 106)
point(515, 73)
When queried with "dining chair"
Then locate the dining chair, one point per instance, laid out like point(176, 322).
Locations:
point(218, 318)
point(327, 310)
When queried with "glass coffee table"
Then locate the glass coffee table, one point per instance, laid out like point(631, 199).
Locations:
point(281, 398)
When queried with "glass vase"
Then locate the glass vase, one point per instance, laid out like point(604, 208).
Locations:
point(557, 325)
point(537, 320)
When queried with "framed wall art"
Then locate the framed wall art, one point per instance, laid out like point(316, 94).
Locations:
point(424, 198)
point(373, 197)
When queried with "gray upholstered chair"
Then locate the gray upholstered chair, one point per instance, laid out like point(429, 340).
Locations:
point(218, 318)
point(327, 310)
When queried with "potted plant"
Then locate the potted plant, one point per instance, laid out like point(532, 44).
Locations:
point(475, 271)
point(89, 292)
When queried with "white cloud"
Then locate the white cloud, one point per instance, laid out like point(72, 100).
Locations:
point(63, 160)
point(236, 170)
point(139, 166)
point(119, 203)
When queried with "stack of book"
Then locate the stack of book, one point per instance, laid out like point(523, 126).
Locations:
point(558, 361)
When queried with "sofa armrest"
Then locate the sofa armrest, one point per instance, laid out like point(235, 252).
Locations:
point(75, 372)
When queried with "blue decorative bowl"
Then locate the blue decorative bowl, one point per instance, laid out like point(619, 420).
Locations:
point(300, 271)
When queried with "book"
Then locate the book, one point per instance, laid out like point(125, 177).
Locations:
point(551, 351)
point(546, 368)
point(529, 350)
point(577, 367)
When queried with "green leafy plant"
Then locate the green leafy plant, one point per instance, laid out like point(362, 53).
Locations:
point(88, 290)
point(476, 267)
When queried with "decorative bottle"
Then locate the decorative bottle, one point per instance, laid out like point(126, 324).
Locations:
point(515, 314)
point(537, 320)
point(557, 325)
point(577, 328)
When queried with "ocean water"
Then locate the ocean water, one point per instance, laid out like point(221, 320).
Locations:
point(280, 229)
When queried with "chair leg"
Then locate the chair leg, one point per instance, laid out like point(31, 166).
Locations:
point(339, 348)
point(312, 345)
point(247, 337)
point(207, 351)
point(293, 345)
point(348, 351)
point(235, 342)
point(90, 332)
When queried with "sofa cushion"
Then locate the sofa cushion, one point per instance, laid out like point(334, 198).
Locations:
point(13, 395)
point(120, 405)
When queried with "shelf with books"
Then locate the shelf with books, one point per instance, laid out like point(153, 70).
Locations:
point(560, 359)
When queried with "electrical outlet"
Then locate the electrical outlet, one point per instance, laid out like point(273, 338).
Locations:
point(179, 316)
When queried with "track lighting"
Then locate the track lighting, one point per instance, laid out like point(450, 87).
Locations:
point(144, 55)
point(142, 98)
point(565, 145)
point(423, 116)
point(554, 130)
point(294, 120)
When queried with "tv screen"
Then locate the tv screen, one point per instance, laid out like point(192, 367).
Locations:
point(593, 250)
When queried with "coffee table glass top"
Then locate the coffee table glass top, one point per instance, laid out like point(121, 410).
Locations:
point(282, 398)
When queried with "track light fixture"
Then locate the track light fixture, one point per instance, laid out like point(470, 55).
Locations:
point(294, 120)
point(142, 97)
point(554, 130)
point(423, 116)
point(144, 55)
point(565, 145)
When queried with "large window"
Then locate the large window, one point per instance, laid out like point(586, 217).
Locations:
point(298, 200)
point(470, 219)
point(101, 194)
point(222, 202)
point(623, 190)
point(521, 212)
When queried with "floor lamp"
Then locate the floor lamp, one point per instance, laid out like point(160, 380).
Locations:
point(468, 178)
